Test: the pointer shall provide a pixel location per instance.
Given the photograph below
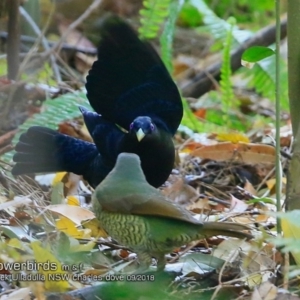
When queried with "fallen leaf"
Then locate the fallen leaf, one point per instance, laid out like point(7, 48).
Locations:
point(75, 213)
point(72, 200)
point(249, 188)
point(237, 206)
point(68, 226)
point(49, 267)
point(240, 152)
point(266, 291)
point(200, 206)
point(95, 227)
point(233, 137)
point(180, 192)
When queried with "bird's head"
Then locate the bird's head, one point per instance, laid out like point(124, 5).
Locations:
point(142, 126)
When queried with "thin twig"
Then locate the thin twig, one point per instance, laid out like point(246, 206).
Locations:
point(45, 43)
point(64, 46)
point(13, 28)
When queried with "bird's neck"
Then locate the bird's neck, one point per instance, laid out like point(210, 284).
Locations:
point(123, 171)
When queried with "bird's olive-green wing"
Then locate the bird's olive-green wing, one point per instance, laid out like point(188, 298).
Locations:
point(150, 205)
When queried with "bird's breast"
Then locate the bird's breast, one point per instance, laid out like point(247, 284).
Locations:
point(128, 230)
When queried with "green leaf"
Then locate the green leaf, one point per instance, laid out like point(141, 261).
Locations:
point(190, 16)
point(262, 200)
point(257, 53)
point(55, 111)
point(166, 39)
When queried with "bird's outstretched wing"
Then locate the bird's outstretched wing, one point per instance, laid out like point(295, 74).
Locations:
point(130, 80)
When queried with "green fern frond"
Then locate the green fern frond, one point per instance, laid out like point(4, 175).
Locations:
point(190, 121)
point(218, 27)
point(152, 15)
point(66, 105)
point(227, 95)
point(54, 112)
point(262, 78)
point(166, 39)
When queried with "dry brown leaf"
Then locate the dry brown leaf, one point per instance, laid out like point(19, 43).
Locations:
point(277, 257)
point(249, 188)
point(180, 192)
point(7, 137)
point(200, 113)
point(241, 152)
point(69, 128)
point(242, 220)
point(271, 184)
point(266, 291)
point(96, 272)
point(82, 61)
point(202, 141)
point(237, 206)
point(261, 218)
point(75, 37)
point(75, 213)
point(72, 184)
point(200, 206)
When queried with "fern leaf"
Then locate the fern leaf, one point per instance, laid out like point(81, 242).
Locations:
point(152, 15)
point(166, 39)
point(218, 27)
point(262, 78)
point(53, 113)
point(227, 97)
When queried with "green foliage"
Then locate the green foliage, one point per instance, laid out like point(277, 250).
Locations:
point(189, 16)
point(257, 53)
point(166, 39)
point(262, 78)
point(189, 119)
point(66, 105)
point(213, 121)
point(152, 15)
point(243, 10)
point(3, 67)
point(231, 121)
point(227, 95)
point(218, 27)
point(40, 75)
point(53, 113)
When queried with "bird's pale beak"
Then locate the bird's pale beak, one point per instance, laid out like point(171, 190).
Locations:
point(140, 134)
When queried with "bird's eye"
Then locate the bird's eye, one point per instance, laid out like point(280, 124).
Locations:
point(151, 126)
point(131, 126)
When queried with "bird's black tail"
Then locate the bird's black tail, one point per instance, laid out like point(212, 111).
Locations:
point(41, 149)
